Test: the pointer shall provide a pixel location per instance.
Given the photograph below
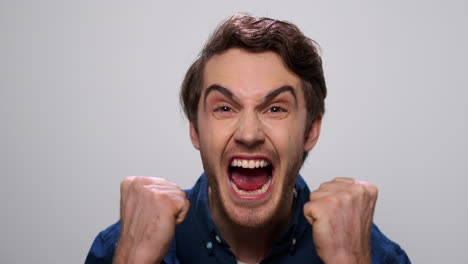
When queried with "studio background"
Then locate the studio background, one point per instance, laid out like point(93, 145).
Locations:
point(89, 95)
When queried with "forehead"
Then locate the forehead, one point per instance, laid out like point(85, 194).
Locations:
point(249, 74)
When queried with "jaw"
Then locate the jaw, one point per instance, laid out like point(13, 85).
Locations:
point(248, 208)
point(253, 209)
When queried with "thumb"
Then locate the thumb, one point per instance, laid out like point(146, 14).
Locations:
point(183, 212)
point(308, 212)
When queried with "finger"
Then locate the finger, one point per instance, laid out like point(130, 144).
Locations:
point(179, 203)
point(162, 181)
point(318, 194)
point(370, 188)
point(309, 212)
point(313, 211)
point(344, 179)
point(170, 190)
point(125, 185)
point(334, 186)
point(146, 180)
point(183, 212)
point(128, 209)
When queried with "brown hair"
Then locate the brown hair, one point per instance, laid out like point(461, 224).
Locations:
point(298, 52)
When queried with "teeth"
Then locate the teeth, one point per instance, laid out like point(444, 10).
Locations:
point(256, 192)
point(249, 164)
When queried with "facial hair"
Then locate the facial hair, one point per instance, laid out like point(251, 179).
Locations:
point(278, 208)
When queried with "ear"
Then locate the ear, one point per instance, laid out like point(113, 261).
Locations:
point(313, 133)
point(194, 136)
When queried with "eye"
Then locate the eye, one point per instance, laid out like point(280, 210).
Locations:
point(277, 112)
point(222, 112)
point(277, 109)
point(223, 109)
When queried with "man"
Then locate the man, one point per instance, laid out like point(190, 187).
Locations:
point(255, 101)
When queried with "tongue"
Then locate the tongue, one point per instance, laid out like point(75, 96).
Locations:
point(249, 179)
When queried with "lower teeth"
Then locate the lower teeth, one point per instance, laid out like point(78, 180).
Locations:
point(256, 192)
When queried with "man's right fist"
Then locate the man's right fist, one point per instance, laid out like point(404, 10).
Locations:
point(150, 209)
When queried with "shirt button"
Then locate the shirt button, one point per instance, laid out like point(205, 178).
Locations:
point(218, 239)
point(294, 241)
point(209, 245)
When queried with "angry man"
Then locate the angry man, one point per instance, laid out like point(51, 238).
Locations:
point(255, 102)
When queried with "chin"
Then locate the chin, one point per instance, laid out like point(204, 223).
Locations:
point(250, 217)
point(250, 191)
point(250, 214)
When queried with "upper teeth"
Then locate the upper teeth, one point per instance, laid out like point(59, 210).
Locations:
point(249, 164)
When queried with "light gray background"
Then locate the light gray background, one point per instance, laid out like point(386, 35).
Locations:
point(89, 95)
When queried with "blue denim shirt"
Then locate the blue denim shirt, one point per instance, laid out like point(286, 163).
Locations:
point(198, 241)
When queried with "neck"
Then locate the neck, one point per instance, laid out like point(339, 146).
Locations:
point(251, 244)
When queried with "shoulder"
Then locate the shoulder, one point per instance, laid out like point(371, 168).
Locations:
point(104, 245)
point(385, 250)
point(103, 248)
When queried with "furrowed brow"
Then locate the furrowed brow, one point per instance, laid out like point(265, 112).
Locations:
point(287, 88)
point(218, 88)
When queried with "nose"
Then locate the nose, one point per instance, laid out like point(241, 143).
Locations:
point(249, 132)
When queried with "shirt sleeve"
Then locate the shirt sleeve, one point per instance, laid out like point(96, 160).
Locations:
point(399, 256)
point(103, 248)
point(385, 251)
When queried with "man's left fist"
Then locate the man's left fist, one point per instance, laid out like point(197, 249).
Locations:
point(341, 213)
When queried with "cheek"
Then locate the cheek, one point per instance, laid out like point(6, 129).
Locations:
point(287, 138)
point(214, 136)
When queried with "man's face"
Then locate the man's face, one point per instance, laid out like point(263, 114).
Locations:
point(251, 135)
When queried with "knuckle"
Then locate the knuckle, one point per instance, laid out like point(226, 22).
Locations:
point(347, 196)
point(368, 188)
point(136, 185)
point(186, 204)
point(324, 185)
point(128, 179)
point(357, 188)
point(158, 193)
point(126, 182)
point(164, 181)
point(308, 208)
point(312, 195)
point(160, 197)
point(315, 195)
point(160, 180)
point(373, 190)
point(139, 179)
point(332, 200)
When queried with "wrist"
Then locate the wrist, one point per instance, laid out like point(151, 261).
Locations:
point(134, 255)
point(342, 258)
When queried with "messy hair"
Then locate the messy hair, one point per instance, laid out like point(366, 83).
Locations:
point(298, 52)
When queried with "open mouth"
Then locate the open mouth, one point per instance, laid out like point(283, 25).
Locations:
point(250, 178)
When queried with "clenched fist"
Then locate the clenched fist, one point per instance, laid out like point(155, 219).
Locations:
point(341, 213)
point(150, 209)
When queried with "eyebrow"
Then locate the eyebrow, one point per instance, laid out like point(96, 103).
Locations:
point(219, 88)
point(226, 92)
point(282, 89)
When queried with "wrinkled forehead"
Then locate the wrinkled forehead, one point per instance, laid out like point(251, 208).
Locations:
point(247, 74)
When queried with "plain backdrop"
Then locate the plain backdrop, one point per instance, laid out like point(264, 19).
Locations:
point(89, 95)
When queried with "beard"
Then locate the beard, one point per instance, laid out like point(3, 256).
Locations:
point(275, 211)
